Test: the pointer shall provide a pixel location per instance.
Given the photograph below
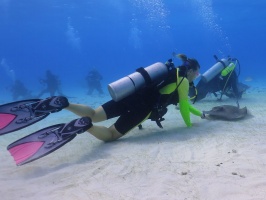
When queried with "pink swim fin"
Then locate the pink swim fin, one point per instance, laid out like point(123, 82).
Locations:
point(47, 140)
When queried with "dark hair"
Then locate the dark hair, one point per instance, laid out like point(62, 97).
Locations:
point(188, 63)
point(193, 64)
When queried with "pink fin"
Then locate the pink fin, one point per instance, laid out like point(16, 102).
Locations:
point(5, 119)
point(24, 151)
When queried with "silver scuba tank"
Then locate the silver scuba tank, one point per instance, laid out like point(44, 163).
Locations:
point(214, 70)
point(127, 85)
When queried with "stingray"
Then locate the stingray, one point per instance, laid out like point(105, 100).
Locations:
point(227, 112)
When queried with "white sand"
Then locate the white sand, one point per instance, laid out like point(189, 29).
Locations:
point(211, 160)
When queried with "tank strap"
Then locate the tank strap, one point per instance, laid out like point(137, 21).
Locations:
point(220, 61)
point(145, 75)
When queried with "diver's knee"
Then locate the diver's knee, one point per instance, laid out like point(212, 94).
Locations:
point(98, 115)
point(114, 133)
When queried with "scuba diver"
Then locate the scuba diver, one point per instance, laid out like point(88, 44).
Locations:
point(148, 93)
point(221, 79)
point(52, 84)
point(94, 81)
point(19, 91)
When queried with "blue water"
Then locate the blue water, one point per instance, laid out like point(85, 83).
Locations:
point(118, 36)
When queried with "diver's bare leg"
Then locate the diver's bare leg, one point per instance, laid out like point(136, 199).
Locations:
point(101, 132)
point(105, 134)
point(96, 115)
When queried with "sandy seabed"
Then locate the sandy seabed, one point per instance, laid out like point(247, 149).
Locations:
point(212, 160)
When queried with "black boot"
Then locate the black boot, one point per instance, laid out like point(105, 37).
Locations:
point(76, 126)
point(50, 105)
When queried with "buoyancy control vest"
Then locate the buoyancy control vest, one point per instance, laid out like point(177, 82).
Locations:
point(171, 85)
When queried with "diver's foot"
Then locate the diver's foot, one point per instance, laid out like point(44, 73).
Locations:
point(76, 126)
point(50, 105)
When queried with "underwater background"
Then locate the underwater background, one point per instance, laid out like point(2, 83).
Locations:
point(117, 36)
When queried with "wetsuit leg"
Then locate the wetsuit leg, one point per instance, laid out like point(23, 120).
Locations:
point(130, 113)
point(202, 89)
point(212, 86)
point(234, 83)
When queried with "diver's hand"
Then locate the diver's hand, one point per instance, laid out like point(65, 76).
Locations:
point(203, 116)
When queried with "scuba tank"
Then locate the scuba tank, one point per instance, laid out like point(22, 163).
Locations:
point(215, 69)
point(153, 74)
point(228, 69)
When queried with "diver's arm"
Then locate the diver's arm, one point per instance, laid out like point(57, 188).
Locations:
point(184, 109)
point(195, 111)
point(184, 105)
point(184, 102)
